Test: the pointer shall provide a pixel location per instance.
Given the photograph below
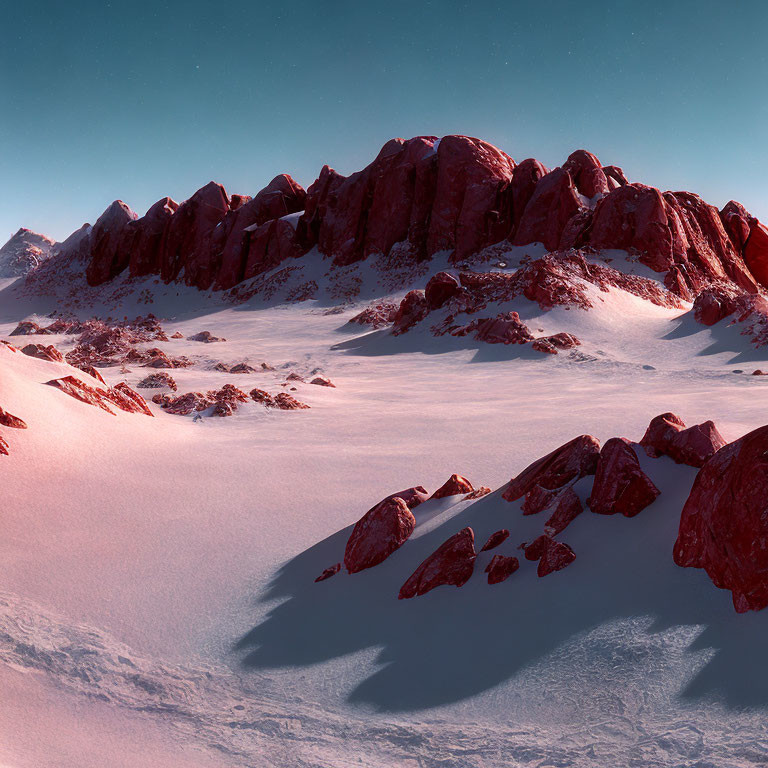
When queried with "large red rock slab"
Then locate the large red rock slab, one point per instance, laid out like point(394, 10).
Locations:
point(471, 207)
point(242, 248)
point(667, 435)
point(525, 177)
point(621, 486)
point(452, 563)
point(186, 240)
point(110, 243)
point(501, 568)
point(723, 526)
point(571, 461)
point(146, 238)
point(453, 486)
point(268, 246)
point(615, 176)
point(321, 195)
point(440, 287)
point(756, 252)
point(554, 201)
point(377, 534)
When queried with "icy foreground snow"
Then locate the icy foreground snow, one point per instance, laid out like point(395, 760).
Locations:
point(158, 604)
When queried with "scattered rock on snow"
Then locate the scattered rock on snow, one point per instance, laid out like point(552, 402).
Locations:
point(205, 336)
point(322, 381)
point(328, 572)
point(495, 539)
point(157, 381)
point(9, 420)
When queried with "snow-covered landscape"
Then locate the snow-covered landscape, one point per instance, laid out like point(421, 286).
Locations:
point(197, 567)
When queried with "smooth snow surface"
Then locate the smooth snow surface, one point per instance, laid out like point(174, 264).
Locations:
point(157, 602)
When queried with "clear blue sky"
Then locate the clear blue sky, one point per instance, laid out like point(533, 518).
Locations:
point(136, 100)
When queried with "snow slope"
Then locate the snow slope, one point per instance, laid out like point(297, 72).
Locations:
point(158, 604)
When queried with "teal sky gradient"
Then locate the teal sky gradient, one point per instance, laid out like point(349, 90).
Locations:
point(136, 100)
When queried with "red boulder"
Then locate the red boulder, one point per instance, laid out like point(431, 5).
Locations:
point(495, 539)
point(501, 568)
point(110, 243)
point(620, 484)
point(380, 532)
point(570, 461)
point(552, 555)
point(440, 287)
point(723, 526)
point(566, 509)
point(667, 436)
point(413, 309)
point(455, 485)
point(452, 563)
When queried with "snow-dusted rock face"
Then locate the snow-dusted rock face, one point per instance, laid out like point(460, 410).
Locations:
point(419, 198)
point(23, 252)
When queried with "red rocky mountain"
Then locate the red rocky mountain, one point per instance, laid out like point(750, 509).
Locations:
point(423, 196)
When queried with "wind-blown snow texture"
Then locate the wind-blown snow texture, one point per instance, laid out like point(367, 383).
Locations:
point(159, 604)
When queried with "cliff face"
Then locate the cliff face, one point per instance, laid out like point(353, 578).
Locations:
point(426, 195)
